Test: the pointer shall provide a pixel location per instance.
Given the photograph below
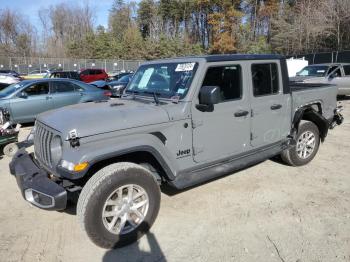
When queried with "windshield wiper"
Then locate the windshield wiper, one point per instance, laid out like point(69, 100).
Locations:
point(155, 96)
point(132, 92)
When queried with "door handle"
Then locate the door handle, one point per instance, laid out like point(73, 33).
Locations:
point(241, 113)
point(276, 106)
point(48, 97)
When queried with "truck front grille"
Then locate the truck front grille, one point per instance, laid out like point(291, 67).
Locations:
point(42, 141)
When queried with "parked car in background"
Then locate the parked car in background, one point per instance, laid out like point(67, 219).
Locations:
point(118, 75)
point(36, 74)
point(117, 87)
point(100, 84)
point(90, 75)
point(8, 79)
point(335, 73)
point(26, 99)
point(9, 72)
point(63, 74)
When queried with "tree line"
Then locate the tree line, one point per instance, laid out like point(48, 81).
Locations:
point(150, 29)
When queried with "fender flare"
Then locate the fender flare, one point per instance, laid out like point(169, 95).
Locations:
point(310, 114)
point(144, 148)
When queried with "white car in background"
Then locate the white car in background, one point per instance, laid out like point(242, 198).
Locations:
point(336, 73)
point(8, 79)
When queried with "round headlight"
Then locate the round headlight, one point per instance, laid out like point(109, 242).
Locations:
point(56, 149)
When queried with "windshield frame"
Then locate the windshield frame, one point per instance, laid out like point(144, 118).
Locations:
point(169, 95)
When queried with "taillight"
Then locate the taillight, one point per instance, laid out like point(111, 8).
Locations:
point(107, 93)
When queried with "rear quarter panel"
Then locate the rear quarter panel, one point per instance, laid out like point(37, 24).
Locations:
point(325, 96)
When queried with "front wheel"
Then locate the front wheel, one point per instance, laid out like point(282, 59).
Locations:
point(118, 204)
point(307, 144)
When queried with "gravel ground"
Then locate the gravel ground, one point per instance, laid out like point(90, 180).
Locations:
point(269, 212)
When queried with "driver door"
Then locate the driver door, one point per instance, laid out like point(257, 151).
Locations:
point(225, 131)
point(36, 101)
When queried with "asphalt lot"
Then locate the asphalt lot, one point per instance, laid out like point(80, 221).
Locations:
point(269, 212)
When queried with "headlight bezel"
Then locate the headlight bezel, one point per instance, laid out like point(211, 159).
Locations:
point(56, 149)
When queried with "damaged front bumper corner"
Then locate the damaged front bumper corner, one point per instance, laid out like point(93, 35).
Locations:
point(35, 185)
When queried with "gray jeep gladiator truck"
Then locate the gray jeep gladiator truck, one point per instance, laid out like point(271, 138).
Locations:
point(180, 122)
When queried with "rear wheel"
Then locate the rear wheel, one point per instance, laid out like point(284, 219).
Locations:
point(118, 204)
point(307, 144)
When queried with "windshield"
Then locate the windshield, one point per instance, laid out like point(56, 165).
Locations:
point(11, 89)
point(313, 71)
point(165, 80)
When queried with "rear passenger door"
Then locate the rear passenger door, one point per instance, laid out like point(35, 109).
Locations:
point(64, 93)
point(225, 131)
point(270, 121)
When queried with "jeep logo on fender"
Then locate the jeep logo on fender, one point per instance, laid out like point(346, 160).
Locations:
point(183, 153)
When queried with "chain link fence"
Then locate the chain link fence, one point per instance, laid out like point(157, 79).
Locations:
point(25, 65)
point(326, 57)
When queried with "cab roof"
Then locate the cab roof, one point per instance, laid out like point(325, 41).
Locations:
point(219, 58)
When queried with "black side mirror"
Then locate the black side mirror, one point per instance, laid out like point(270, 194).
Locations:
point(208, 97)
point(23, 94)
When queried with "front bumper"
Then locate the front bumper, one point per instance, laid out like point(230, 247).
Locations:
point(35, 185)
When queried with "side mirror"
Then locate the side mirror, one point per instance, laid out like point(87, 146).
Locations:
point(208, 97)
point(23, 94)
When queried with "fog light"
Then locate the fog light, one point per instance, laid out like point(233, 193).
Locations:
point(39, 199)
point(74, 167)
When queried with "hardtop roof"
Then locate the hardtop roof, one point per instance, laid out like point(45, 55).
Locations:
point(219, 58)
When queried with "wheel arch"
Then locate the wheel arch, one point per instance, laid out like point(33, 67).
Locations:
point(312, 113)
point(137, 155)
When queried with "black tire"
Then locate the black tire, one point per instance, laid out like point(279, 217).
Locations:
point(97, 190)
point(291, 157)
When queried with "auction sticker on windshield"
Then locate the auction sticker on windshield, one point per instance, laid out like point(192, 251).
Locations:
point(185, 67)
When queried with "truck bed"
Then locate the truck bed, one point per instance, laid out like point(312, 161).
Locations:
point(309, 93)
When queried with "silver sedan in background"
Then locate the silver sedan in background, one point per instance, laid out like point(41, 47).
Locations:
point(26, 99)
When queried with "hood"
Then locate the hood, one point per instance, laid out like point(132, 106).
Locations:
point(306, 78)
point(100, 117)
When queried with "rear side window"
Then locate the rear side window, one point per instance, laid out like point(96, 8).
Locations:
point(347, 70)
point(228, 78)
point(265, 79)
point(97, 72)
point(62, 87)
point(38, 89)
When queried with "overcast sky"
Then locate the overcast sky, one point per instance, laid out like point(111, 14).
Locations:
point(30, 8)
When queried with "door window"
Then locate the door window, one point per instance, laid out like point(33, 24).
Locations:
point(228, 78)
point(38, 89)
point(265, 79)
point(347, 70)
point(62, 87)
point(335, 71)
